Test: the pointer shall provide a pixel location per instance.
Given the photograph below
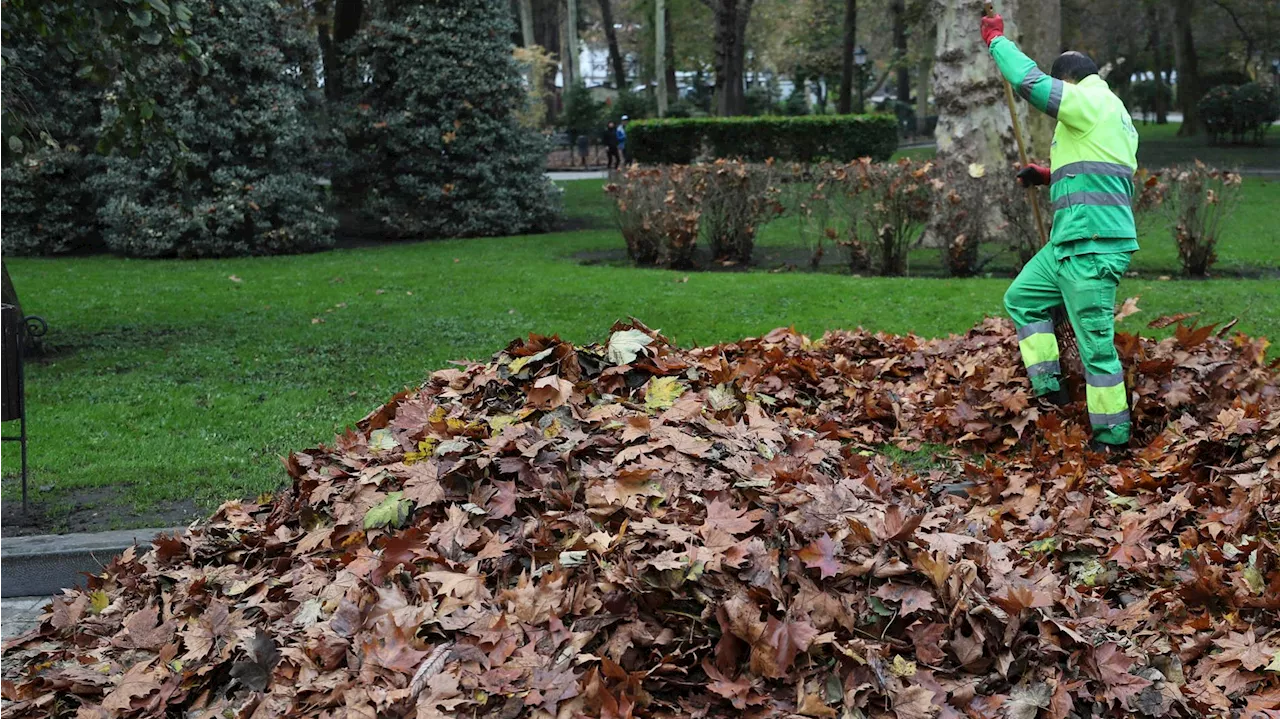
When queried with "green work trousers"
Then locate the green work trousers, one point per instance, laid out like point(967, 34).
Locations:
point(1086, 285)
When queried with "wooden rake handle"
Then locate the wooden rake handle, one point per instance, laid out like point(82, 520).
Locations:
point(988, 10)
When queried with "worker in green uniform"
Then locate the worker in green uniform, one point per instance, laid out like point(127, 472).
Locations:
point(1091, 186)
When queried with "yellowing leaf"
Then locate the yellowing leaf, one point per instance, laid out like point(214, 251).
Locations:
point(626, 345)
point(98, 601)
point(976, 170)
point(902, 667)
point(1274, 666)
point(391, 513)
point(721, 398)
point(381, 440)
point(663, 392)
point(520, 363)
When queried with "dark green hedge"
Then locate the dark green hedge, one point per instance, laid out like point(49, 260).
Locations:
point(755, 139)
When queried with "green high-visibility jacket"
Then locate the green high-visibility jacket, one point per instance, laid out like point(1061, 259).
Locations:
point(1092, 160)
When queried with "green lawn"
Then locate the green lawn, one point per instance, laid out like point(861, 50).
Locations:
point(1160, 146)
point(170, 381)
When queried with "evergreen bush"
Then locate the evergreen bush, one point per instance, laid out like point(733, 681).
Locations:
point(48, 159)
point(433, 134)
point(239, 174)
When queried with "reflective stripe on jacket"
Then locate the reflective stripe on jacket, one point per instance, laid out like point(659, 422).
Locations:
point(1093, 158)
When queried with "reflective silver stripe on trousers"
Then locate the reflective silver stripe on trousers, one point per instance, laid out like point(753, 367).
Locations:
point(1101, 199)
point(1092, 167)
point(1108, 420)
point(1050, 367)
point(1104, 380)
point(1024, 88)
point(1034, 328)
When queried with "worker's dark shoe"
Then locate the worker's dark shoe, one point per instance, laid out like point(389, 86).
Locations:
point(1058, 398)
point(1111, 451)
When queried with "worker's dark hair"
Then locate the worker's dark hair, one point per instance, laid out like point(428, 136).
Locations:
point(1073, 66)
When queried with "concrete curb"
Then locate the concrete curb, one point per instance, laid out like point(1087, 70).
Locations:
point(41, 565)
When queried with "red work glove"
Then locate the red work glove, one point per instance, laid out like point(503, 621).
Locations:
point(1033, 175)
point(992, 28)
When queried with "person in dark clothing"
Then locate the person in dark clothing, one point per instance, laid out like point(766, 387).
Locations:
point(611, 146)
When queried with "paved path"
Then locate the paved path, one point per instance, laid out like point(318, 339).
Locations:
point(20, 614)
point(578, 175)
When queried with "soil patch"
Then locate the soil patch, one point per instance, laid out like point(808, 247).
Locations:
point(94, 509)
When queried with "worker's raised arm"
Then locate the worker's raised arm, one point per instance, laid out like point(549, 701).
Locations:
point(1049, 95)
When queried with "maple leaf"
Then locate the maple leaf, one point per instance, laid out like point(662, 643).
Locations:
point(625, 345)
point(914, 702)
point(143, 630)
point(550, 392)
point(392, 648)
point(782, 641)
point(738, 692)
point(663, 392)
point(729, 519)
point(1127, 309)
point(911, 599)
point(454, 584)
point(139, 681)
point(821, 555)
point(1244, 648)
point(255, 673)
point(1130, 551)
point(1112, 667)
point(392, 512)
point(1017, 596)
point(927, 641)
point(1026, 700)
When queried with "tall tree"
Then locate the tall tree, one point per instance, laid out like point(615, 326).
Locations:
point(569, 61)
point(1040, 28)
point(660, 56)
point(611, 38)
point(1155, 40)
point(1189, 89)
point(846, 55)
point(974, 132)
point(731, 17)
point(673, 91)
point(899, 10)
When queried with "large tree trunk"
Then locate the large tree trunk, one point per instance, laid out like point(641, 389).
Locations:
point(570, 61)
point(731, 18)
point(899, 10)
point(546, 31)
point(328, 55)
point(974, 128)
point(660, 55)
point(1155, 38)
point(846, 56)
point(1040, 25)
point(1188, 67)
point(673, 90)
point(611, 37)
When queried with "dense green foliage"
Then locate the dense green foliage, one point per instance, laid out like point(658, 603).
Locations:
point(240, 176)
point(48, 205)
point(433, 142)
point(582, 113)
point(1243, 114)
point(98, 40)
point(755, 139)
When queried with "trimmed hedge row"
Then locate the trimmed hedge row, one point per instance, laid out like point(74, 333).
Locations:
point(756, 139)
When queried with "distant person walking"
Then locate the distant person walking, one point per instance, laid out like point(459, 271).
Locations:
point(611, 146)
point(622, 140)
point(584, 146)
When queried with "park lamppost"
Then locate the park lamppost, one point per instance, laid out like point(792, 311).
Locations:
point(860, 59)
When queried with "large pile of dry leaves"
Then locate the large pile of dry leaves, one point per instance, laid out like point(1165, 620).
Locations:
point(640, 530)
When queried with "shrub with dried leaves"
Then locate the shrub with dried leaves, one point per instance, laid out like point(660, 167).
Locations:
point(1196, 201)
point(658, 211)
point(738, 199)
point(639, 530)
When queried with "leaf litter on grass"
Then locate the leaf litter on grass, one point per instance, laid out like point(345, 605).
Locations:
point(639, 530)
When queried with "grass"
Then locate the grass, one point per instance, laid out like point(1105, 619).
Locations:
point(176, 381)
point(1160, 146)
